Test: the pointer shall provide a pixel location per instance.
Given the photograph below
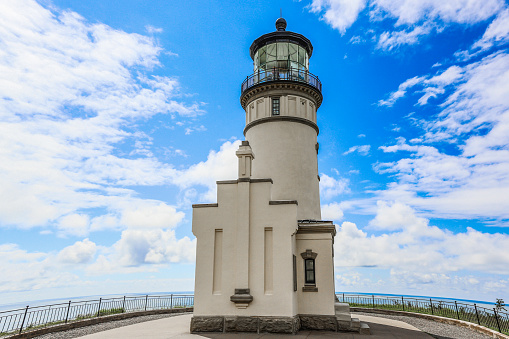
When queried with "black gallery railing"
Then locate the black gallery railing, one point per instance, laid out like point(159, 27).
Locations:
point(30, 318)
point(281, 74)
point(487, 317)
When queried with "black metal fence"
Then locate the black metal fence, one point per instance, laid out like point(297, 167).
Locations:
point(29, 318)
point(487, 317)
point(281, 74)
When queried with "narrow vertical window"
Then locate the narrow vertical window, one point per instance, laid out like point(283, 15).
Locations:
point(310, 271)
point(275, 106)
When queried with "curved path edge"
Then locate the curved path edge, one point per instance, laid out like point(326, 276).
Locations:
point(450, 321)
point(93, 321)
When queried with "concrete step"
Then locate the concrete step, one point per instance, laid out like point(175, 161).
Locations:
point(342, 308)
point(355, 324)
point(343, 317)
point(364, 329)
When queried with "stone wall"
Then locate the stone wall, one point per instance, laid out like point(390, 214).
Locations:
point(263, 324)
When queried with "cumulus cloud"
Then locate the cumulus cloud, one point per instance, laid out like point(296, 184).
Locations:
point(72, 92)
point(411, 244)
point(144, 250)
point(220, 165)
point(331, 187)
point(27, 271)
point(80, 252)
point(340, 14)
point(332, 211)
point(411, 19)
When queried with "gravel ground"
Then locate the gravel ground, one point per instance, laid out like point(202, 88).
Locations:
point(79, 332)
point(433, 328)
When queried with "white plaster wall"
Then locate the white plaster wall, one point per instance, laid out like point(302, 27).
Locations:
point(290, 105)
point(286, 152)
point(282, 219)
point(321, 302)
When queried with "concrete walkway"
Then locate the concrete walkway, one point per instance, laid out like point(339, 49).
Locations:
point(178, 327)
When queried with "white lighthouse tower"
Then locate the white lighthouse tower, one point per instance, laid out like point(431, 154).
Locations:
point(264, 259)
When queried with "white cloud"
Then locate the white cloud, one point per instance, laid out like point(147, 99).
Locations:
point(80, 252)
point(144, 250)
point(496, 33)
point(221, 165)
point(331, 187)
point(410, 12)
point(340, 14)
point(332, 211)
point(25, 271)
point(470, 182)
point(361, 149)
point(74, 224)
point(391, 40)
point(136, 251)
point(190, 130)
point(412, 245)
point(72, 92)
point(402, 89)
point(413, 19)
point(146, 216)
point(151, 29)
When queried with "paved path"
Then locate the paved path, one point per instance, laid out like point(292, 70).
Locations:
point(178, 327)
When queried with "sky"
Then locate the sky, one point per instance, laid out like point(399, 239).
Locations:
point(116, 116)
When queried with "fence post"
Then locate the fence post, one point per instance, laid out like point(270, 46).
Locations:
point(496, 317)
point(99, 308)
point(431, 304)
point(373, 298)
point(171, 300)
point(457, 312)
point(123, 305)
point(68, 308)
point(23, 322)
point(403, 303)
point(477, 314)
point(146, 301)
point(343, 297)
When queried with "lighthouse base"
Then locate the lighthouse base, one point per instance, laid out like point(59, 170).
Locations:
point(245, 324)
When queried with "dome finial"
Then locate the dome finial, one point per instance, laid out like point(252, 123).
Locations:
point(281, 24)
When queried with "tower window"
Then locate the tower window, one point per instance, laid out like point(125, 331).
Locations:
point(309, 271)
point(309, 266)
point(275, 106)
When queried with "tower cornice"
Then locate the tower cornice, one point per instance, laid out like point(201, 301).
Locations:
point(301, 87)
point(282, 118)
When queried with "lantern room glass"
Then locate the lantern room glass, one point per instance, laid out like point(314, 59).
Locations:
point(281, 55)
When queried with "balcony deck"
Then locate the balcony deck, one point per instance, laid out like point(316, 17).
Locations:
point(281, 74)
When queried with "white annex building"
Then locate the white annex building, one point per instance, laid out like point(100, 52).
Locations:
point(264, 260)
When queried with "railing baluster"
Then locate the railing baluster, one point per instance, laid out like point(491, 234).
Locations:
point(496, 318)
point(23, 322)
point(99, 308)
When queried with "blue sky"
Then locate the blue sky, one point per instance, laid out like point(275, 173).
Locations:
point(116, 116)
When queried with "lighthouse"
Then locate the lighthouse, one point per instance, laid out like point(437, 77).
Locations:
point(264, 257)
